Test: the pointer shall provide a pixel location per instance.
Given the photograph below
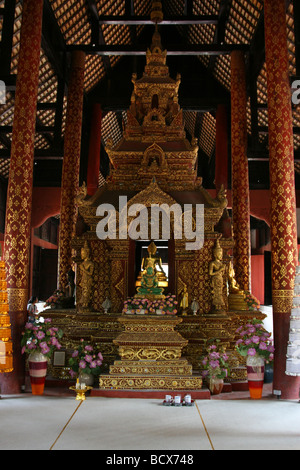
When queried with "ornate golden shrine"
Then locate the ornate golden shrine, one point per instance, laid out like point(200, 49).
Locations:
point(154, 163)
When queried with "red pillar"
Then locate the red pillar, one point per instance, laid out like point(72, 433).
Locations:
point(19, 193)
point(221, 172)
point(240, 175)
point(94, 150)
point(282, 185)
point(71, 166)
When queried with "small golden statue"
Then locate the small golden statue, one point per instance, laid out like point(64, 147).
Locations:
point(232, 284)
point(236, 296)
point(216, 271)
point(184, 300)
point(86, 278)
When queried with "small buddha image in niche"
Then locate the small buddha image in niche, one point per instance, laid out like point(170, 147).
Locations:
point(154, 102)
point(154, 161)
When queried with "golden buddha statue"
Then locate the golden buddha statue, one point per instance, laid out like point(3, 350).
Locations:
point(153, 261)
point(236, 296)
point(184, 300)
point(86, 269)
point(216, 271)
point(232, 284)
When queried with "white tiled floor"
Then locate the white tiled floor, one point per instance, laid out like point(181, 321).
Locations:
point(62, 423)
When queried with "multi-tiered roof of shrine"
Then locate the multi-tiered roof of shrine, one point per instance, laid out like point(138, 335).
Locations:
point(154, 143)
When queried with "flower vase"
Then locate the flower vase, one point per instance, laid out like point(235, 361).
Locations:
point(215, 385)
point(268, 377)
point(37, 371)
point(255, 372)
point(170, 312)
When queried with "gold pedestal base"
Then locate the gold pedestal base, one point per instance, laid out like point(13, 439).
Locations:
point(151, 297)
point(179, 367)
point(157, 382)
point(150, 352)
point(80, 392)
point(237, 302)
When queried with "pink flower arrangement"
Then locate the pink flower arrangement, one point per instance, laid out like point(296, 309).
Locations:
point(167, 305)
point(133, 303)
point(255, 340)
point(41, 337)
point(85, 359)
point(171, 304)
point(215, 363)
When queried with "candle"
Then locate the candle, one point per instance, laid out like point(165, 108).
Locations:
point(82, 386)
point(77, 383)
point(168, 398)
point(188, 399)
point(177, 399)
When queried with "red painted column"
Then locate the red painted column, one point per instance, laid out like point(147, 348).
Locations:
point(240, 174)
point(94, 150)
point(71, 166)
point(221, 172)
point(19, 193)
point(282, 186)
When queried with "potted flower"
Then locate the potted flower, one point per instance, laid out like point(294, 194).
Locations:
point(170, 304)
point(142, 306)
point(256, 345)
point(56, 299)
point(215, 366)
point(134, 305)
point(127, 306)
point(85, 363)
point(252, 302)
point(158, 307)
point(39, 341)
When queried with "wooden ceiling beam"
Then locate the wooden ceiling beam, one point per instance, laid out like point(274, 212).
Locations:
point(131, 20)
point(97, 38)
point(129, 11)
point(219, 37)
point(7, 35)
point(53, 43)
point(138, 49)
point(94, 21)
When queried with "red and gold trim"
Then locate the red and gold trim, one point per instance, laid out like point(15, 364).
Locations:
point(240, 174)
point(282, 186)
point(71, 164)
point(19, 193)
